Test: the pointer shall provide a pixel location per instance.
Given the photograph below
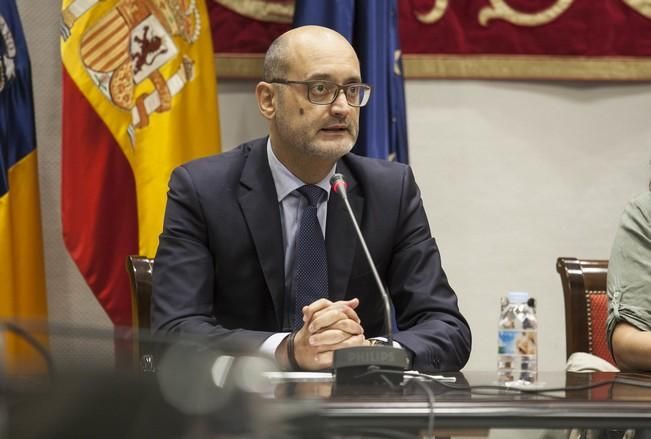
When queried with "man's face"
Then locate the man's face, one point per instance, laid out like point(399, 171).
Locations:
point(324, 131)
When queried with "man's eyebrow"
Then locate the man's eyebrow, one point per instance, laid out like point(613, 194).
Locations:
point(327, 77)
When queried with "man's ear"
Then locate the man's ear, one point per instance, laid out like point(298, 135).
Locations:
point(264, 93)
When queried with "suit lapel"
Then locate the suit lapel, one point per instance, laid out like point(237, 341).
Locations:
point(341, 240)
point(259, 202)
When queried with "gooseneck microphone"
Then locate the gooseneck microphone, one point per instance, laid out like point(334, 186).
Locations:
point(357, 364)
point(340, 186)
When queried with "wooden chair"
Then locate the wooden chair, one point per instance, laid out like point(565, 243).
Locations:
point(140, 272)
point(586, 305)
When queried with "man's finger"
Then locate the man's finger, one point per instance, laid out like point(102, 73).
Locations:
point(326, 339)
point(347, 326)
point(329, 316)
point(308, 311)
point(321, 304)
point(353, 303)
point(353, 340)
point(323, 340)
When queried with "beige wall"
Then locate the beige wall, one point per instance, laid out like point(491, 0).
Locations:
point(513, 175)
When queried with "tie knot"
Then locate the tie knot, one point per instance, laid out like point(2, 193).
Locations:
point(312, 193)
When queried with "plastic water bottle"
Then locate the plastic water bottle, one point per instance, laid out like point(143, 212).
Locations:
point(517, 340)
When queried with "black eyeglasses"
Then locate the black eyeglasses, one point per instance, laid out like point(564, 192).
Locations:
point(325, 92)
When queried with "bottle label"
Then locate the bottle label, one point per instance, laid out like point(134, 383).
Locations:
point(517, 342)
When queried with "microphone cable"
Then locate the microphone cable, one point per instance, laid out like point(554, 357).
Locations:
point(417, 379)
point(518, 390)
point(420, 379)
point(430, 401)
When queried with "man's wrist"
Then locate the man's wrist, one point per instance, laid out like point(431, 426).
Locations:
point(286, 353)
point(291, 352)
point(281, 354)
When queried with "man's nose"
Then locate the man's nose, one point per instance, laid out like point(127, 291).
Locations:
point(340, 105)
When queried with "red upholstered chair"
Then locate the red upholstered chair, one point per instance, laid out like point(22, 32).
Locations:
point(586, 305)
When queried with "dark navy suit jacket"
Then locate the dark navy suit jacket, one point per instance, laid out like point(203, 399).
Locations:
point(219, 270)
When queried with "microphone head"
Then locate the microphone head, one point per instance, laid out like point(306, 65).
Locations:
point(338, 184)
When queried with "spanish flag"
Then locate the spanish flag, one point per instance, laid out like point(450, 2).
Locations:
point(139, 99)
point(22, 274)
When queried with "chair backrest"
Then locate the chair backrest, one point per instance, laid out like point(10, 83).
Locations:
point(140, 272)
point(586, 305)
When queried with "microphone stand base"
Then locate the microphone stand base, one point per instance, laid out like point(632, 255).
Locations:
point(363, 365)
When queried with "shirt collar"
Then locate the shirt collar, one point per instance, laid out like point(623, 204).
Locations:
point(285, 181)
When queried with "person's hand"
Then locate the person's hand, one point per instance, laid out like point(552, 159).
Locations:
point(327, 326)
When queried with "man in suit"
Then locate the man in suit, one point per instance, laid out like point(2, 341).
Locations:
point(232, 266)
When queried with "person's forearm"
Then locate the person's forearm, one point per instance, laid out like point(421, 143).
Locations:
point(631, 348)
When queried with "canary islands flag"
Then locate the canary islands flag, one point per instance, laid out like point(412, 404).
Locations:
point(139, 99)
point(22, 272)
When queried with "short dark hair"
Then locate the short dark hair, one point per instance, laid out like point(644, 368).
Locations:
point(276, 64)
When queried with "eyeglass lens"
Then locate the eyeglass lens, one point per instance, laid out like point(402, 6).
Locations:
point(327, 92)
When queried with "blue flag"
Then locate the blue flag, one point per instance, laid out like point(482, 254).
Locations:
point(372, 28)
point(16, 110)
point(22, 271)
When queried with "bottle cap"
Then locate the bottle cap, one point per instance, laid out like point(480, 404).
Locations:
point(518, 297)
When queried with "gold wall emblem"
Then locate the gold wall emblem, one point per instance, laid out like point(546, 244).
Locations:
point(641, 6)
point(262, 10)
point(500, 9)
point(435, 14)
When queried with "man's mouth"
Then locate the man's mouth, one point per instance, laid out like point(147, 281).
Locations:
point(335, 129)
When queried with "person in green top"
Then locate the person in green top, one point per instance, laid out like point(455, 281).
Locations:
point(629, 287)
